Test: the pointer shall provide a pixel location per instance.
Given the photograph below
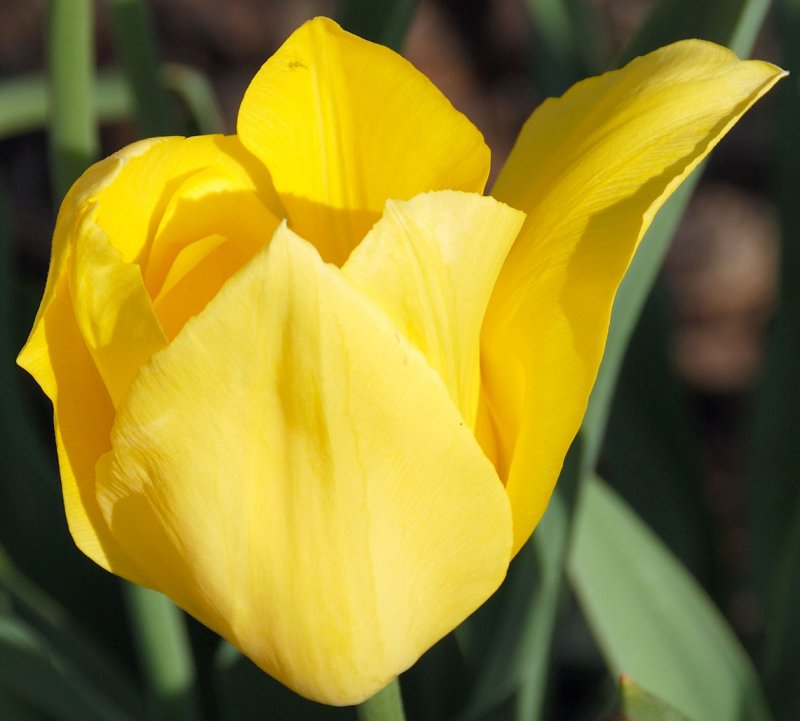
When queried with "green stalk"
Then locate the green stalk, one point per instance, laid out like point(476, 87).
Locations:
point(134, 39)
point(73, 131)
point(162, 643)
point(386, 705)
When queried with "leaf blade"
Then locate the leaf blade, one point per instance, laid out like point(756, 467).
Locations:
point(651, 618)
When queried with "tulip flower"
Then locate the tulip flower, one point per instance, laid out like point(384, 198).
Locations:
point(313, 385)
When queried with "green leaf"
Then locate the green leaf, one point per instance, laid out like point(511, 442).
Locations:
point(70, 70)
point(651, 618)
point(36, 674)
point(433, 688)
point(519, 620)
point(12, 708)
point(196, 93)
point(567, 43)
point(135, 44)
point(774, 464)
point(382, 21)
point(636, 704)
point(524, 657)
point(28, 604)
point(25, 107)
point(652, 434)
point(734, 23)
point(628, 304)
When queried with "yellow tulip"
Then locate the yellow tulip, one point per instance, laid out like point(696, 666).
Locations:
point(314, 386)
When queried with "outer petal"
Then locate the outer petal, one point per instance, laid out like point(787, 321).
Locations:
point(113, 311)
point(35, 356)
point(57, 357)
point(343, 125)
point(107, 229)
point(590, 169)
point(431, 264)
point(292, 472)
point(96, 326)
point(83, 415)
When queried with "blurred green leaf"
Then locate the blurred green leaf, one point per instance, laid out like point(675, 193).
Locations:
point(25, 108)
point(774, 464)
point(521, 616)
point(652, 620)
point(44, 616)
point(433, 688)
point(70, 71)
point(135, 43)
point(245, 693)
point(33, 529)
point(197, 95)
point(527, 653)
point(14, 710)
point(638, 705)
point(24, 105)
point(552, 537)
point(382, 21)
point(567, 44)
point(628, 304)
point(734, 23)
point(490, 638)
point(21, 450)
point(32, 524)
point(32, 670)
point(652, 434)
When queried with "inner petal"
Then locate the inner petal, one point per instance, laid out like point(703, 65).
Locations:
point(209, 202)
point(197, 275)
point(431, 263)
point(212, 225)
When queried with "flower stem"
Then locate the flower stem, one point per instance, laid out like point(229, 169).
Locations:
point(386, 705)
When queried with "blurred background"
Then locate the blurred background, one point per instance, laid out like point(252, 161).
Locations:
point(701, 434)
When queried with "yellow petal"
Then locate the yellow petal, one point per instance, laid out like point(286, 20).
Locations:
point(134, 206)
point(83, 415)
point(112, 308)
point(95, 325)
point(57, 357)
point(35, 356)
point(192, 188)
point(211, 262)
point(431, 264)
point(343, 125)
point(590, 170)
point(108, 226)
point(292, 472)
point(219, 199)
point(215, 221)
